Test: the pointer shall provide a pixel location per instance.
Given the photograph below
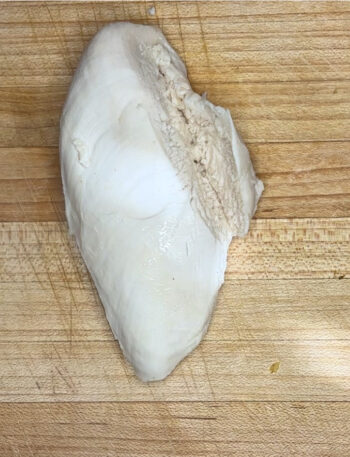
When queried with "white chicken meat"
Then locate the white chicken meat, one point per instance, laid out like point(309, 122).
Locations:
point(156, 183)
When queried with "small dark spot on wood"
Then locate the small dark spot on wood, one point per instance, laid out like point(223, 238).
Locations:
point(274, 367)
point(195, 161)
point(38, 385)
point(341, 277)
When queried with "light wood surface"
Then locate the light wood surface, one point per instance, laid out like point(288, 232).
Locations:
point(280, 302)
point(176, 429)
point(272, 376)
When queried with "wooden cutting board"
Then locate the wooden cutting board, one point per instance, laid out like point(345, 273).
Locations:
point(272, 376)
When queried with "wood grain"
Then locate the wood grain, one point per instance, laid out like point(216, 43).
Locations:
point(273, 249)
point(267, 310)
point(301, 180)
point(288, 93)
point(45, 285)
point(181, 429)
point(266, 313)
point(262, 112)
point(218, 370)
point(272, 376)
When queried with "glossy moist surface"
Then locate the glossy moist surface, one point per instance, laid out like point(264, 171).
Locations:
point(156, 183)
